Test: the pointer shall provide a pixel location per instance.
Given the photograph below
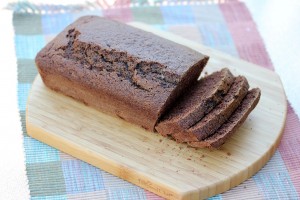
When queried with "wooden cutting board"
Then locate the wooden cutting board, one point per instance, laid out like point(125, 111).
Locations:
point(160, 165)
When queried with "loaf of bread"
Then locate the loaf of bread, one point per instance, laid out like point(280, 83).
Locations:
point(146, 80)
point(118, 69)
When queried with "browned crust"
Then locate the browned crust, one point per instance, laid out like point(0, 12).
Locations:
point(92, 98)
point(115, 60)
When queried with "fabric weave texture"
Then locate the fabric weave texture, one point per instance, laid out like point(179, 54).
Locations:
point(226, 26)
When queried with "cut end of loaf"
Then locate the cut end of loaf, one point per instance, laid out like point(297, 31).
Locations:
point(233, 123)
point(196, 102)
point(206, 131)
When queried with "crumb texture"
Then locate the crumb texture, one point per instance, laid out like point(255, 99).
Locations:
point(233, 123)
point(196, 102)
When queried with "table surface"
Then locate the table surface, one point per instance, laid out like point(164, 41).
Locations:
point(260, 27)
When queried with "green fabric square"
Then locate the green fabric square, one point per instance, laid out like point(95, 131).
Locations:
point(45, 179)
point(27, 24)
point(23, 122)
point(26, 70)
point(148, 14)
point(139, 2)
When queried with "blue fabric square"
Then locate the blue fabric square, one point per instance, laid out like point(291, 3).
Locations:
point(23, 91)
point(127, 193)
point(213, 28)
point(217, 35)
point(55, 23)
point(37, 152)
point(81, 177)
point(274, 180)
point(177, 14)
point(27, 46)
point(217, 197)
point(57, 197)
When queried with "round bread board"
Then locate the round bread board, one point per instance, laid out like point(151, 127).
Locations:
point(158, 164)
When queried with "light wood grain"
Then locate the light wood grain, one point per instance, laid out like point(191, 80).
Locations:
point(158, 164)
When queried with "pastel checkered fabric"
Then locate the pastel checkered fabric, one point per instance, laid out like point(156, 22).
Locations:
point(227, 27)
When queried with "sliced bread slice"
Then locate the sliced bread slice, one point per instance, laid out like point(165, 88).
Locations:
point(233, 123)
point(196, 102)
point(214, 119)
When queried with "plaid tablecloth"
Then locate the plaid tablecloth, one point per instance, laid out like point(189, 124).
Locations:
point(226, 26)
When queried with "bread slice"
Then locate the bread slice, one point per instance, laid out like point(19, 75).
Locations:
point(213, 120)
point(196, 102)
point(233, 123)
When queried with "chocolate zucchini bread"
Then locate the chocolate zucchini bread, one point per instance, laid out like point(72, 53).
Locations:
point(214, 119)
point(146, 80)
point(233, 123)
point(196, 103)
point(120, 70)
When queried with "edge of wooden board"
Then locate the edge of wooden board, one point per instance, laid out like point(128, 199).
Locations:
point(127, 174)
point(99, 160)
